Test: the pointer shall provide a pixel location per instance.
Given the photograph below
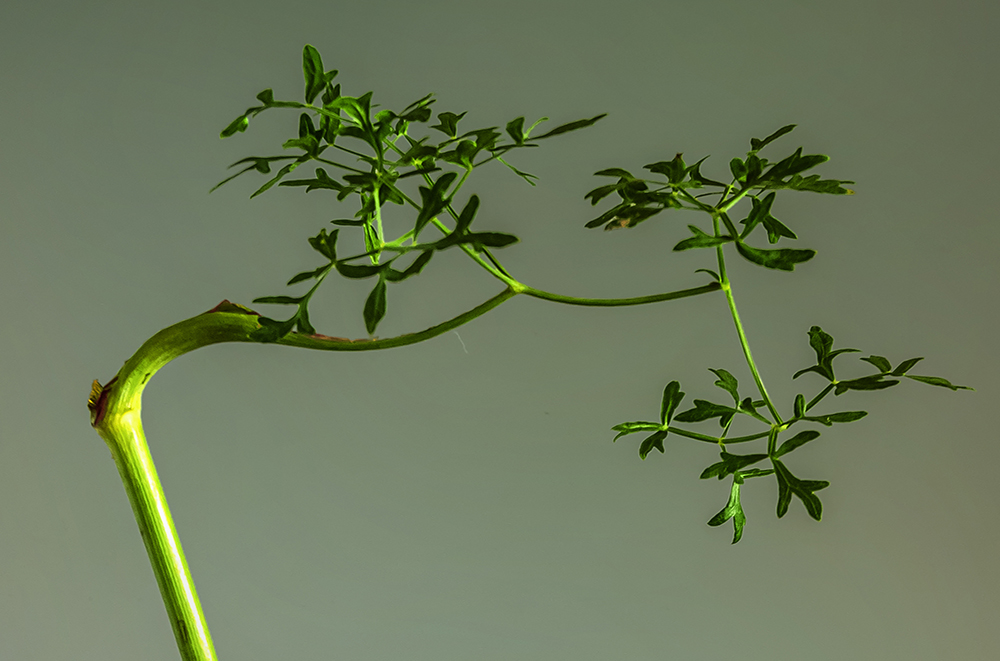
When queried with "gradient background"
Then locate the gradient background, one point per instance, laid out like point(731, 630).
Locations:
point(441, 502)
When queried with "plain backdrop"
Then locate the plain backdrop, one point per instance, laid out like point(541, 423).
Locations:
point(461, 498)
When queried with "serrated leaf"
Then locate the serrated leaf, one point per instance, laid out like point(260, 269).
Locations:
point(796, 441)
point(375, 306)
point(782, 259)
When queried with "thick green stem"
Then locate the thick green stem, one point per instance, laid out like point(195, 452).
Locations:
point(115, 412)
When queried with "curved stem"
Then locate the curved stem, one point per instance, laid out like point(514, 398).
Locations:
point(115, 413)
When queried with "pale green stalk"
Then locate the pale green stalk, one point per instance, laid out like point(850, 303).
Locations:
point(116, 415)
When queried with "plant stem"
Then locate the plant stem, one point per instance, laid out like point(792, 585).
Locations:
point(727, 287)
point(116, 415)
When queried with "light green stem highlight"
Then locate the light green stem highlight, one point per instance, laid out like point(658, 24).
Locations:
point(115, 411)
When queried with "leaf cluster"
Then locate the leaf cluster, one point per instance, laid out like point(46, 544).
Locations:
point(639, 201)
point(740, 466)
point(391, 155)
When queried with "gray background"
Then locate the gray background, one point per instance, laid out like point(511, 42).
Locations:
point(441, 502)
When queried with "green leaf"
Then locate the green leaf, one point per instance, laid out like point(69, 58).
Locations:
point(799, 439)
point(905, 366)
point(749, 407)
point(238, 125)
point(302, 324)
point(653, 441)
point(325, 244)
point(800, 406)
point(812, 183)
point(281, 173)
point(733, 510)
point(306, 275)
point(727, 382)
point(279, 300)
point(701, 240)
point(448, 123)
point(375, 306)
point(822, 343)
point(789, 485)
point(783, 259)
point(794, 164)
point(844, 416)
point(937, 381)
point(392, 275)
point(730, 464)
point(694, 173)
point(572, 126)
point(515, 129)
point(757, 145)
point(672, 397)
point(272, 330)
point(761, 214)
point(359, 271)
point(873, 382)
point(614, 172)
point(881, 363)
point(675, 170)
point(626, 428)
point(711, 273)
point(434, 201)
point(755, 472)
point(312, 71)
point(739, 169)
point(705, 410)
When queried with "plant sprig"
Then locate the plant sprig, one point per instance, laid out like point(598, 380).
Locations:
point(736, 464)
point(753, 177)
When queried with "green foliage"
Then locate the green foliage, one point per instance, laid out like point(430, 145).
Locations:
point(389, 156)
point(736, 464)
